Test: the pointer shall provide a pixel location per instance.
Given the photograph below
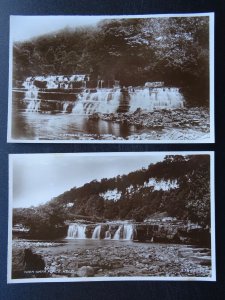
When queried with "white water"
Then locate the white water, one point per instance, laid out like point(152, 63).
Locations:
point(158, 98)
point(96, 232)
point(118, 233)
point(107, 235)
point(33, 102)
point(76, 231)
point(65, 106)
point(102, 101)
point(52, 81)
point(124, 232)
point(105, 100)
point(128, 232)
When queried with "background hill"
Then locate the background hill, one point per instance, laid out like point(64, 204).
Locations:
point(178, 187)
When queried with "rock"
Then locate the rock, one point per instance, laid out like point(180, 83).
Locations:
point(52, 269)
point(117, 264)
point(185, 252)
point(33, 261)
point(204, 260)
point(85, 271)
point(145, 271)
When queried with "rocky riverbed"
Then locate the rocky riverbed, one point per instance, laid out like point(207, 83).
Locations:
point(178, 124)
point(196, 118)
point(111, 259)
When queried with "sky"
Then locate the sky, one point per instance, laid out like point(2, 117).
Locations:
point(26, 27)
point(37, 178)
point(23, 28)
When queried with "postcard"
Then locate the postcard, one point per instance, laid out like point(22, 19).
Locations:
point(111, 79)
point(111, 216)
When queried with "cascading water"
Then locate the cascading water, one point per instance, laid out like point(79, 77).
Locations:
point(158, 98)
point(102, 101)
point(65, 106)
point(31, 96)
point(96, 232)
point(76, 231)
point(124, 232)
point(107, 235)
point(118, 234)
point(128, 232)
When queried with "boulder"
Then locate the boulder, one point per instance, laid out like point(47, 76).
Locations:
point(85, 271)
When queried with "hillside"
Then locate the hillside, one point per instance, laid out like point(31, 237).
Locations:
point(178, 187)
point(133, 51)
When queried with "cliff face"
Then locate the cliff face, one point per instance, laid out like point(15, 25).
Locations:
point(178, 187)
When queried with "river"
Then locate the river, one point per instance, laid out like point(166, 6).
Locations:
point(31, 125)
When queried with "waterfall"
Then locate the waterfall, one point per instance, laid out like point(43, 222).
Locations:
point(76, 231)
point(100, 83)
point(157, 98)
point(107, 235)
point(124, 232)
point(33, 102)
point(101, 101)
point(96, 232)
point(33, 106)
point(117, 234)
point(65, 106)
point(128, 232)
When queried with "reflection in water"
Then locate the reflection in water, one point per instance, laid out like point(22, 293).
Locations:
point(35, 125)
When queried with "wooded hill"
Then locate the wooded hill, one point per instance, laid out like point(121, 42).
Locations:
point(190, 200)
point(134, 51)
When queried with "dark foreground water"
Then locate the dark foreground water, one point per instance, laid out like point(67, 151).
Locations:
point(109, 258)
point(65, 126)
point(31, 125)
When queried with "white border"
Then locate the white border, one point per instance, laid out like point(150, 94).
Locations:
point(211, 139)
point(138, 278)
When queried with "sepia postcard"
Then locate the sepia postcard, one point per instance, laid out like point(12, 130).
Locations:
point(111, 216)
point(111, 79)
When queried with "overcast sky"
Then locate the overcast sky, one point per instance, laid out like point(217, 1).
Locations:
point(26, 27)
point(39, 177)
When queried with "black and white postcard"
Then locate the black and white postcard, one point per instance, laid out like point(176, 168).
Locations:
point(140, 79)
point(111, 216)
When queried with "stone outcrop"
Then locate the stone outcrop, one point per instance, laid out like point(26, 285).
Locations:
point(26, 263)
